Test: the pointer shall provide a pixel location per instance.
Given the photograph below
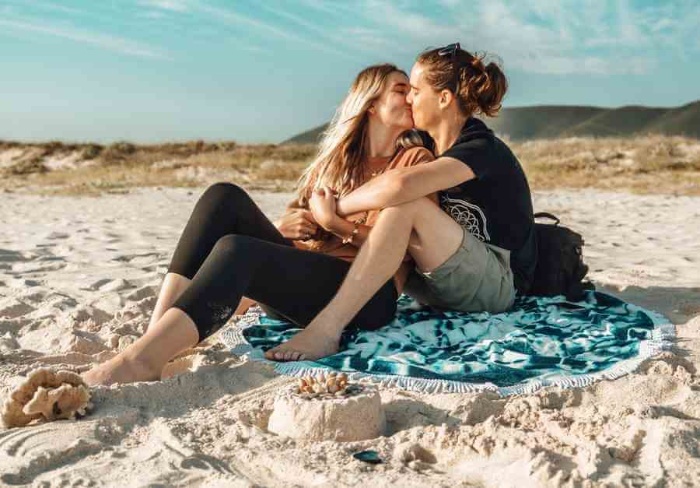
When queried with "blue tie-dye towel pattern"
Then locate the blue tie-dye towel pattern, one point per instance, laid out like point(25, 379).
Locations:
point(540, 341)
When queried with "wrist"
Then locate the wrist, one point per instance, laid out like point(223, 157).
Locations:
point(333, 224)
point(340, 209)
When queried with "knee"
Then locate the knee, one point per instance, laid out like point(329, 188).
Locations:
point(409, 208)
point(221, 192)
point(231, 244)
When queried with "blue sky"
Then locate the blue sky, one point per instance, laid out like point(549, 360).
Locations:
point(261, 71)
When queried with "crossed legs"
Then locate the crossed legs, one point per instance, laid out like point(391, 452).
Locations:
point(295, 283)
point(419, 227)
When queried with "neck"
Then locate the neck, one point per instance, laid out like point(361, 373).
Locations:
point(381, 140)
point(446, 132)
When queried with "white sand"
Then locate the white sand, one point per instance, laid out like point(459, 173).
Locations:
point(78, 279)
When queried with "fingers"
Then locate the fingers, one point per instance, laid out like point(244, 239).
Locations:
point(309, 216)
point(304, 231)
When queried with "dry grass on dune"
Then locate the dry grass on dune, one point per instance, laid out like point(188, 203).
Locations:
point(93, 169)
point(653, 164)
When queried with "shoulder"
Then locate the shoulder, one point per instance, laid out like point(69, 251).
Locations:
point(412, 156)
point(471, 149)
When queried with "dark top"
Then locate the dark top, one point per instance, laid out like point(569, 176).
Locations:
point(496, 206)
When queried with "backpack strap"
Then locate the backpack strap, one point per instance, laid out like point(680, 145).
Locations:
point(546, 215)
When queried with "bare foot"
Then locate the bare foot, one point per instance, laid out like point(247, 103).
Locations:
point(306, 345)
point(120, 369)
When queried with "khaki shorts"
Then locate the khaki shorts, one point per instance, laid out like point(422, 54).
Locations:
point(476, 278)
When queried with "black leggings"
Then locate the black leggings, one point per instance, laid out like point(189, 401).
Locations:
point(230, 249)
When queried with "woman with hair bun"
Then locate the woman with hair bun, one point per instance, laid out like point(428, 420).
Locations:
point(475, 250)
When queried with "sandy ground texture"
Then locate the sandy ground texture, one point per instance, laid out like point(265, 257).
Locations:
point(79, 277)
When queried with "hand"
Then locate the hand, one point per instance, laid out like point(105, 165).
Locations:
point(297, 224)
point(323, 207)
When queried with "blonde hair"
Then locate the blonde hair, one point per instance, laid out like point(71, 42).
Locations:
point(342, 150)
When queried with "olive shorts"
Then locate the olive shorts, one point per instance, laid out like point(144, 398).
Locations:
point(476, 278)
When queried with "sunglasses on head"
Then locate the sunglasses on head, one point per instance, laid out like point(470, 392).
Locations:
point(451, 51)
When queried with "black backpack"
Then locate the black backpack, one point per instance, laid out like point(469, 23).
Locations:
point(560, 269)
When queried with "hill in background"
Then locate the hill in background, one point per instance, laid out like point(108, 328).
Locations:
point(550, 122)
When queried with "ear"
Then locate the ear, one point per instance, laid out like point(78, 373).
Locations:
point(372, 110)
point(445, 98)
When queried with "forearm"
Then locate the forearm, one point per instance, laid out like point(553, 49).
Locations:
point(383, 191)
point(388, 190)
point(344, 228)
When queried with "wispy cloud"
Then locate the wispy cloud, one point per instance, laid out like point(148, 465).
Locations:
point(232, 17)
point(323, 33)
point(103, 41)
point(171, 5)
point(541, 36)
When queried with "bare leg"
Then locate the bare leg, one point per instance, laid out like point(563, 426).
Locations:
point(173, 286)
point(144, 359)
point(421, 227)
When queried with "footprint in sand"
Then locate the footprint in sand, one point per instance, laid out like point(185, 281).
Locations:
point(141, 293)
point(14, 308)
point(7, 255)
point(108, 284)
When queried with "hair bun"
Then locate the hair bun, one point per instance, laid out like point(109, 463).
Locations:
point(490, 94)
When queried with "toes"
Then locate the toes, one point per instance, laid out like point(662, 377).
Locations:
point(288, 355)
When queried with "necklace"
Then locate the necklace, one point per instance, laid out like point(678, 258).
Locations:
point(379, 171)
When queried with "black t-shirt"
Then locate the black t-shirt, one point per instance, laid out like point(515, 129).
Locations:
point(496, 206)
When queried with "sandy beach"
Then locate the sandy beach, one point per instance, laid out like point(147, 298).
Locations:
point(79, 277)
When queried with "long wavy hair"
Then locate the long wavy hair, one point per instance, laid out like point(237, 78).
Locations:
point(342, 150)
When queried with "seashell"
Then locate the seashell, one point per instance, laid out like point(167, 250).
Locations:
point(343, 377)
point(332, 387)
point(318, 388)
point(48, 395)
point(320, 378)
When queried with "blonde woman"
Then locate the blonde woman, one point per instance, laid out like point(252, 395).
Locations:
point(230, 250)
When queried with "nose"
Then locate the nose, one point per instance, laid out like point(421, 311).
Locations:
point(409, 98)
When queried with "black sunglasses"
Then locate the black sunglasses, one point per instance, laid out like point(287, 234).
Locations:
point(451, 51)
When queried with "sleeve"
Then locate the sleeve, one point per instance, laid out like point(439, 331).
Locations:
point(412, 157)
point(475, 154)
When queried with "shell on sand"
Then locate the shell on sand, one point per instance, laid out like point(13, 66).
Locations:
point(46, 395)
point(332, 384)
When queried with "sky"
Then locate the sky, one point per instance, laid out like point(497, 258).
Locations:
point(263, 71)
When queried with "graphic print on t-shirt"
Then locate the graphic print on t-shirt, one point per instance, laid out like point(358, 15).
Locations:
point(467, 215)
